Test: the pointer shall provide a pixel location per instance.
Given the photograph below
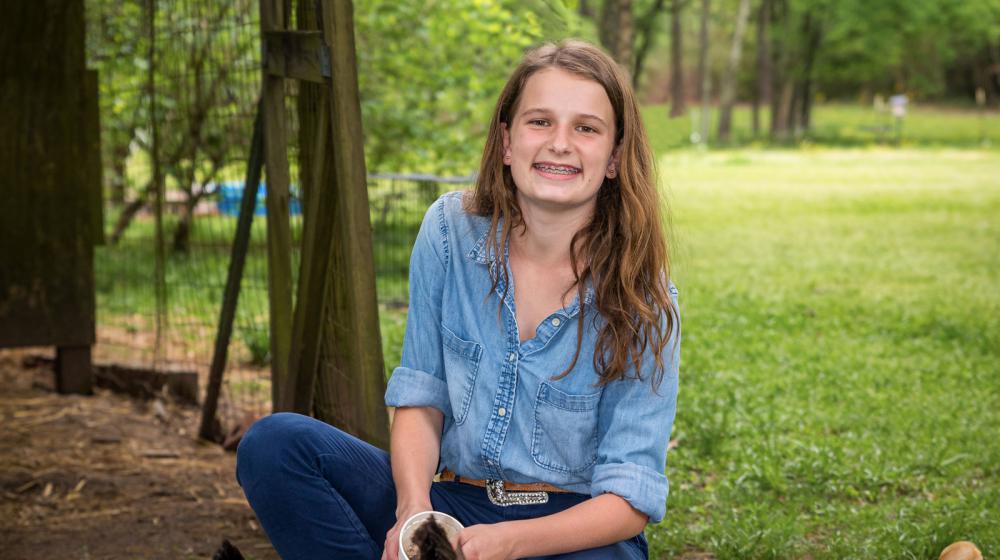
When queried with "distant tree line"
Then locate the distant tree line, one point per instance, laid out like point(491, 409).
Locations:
point(805, 49)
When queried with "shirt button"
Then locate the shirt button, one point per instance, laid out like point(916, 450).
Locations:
point(556, 322)
point(511, 357)
point(502, 411)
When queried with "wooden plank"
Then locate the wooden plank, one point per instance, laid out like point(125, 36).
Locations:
point(351, 387)
point(136, 380)
point(311, 106)
point(279, 235)
point(301, 55)
point(46, 254)
point(73, 370)
point(314, 132)
point(209, 428)
point(317, 228)
point(147, 383)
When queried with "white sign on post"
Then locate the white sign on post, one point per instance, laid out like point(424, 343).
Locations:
point(898, 105)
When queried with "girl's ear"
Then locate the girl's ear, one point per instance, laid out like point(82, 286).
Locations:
point(507, 158)
point(613, 164)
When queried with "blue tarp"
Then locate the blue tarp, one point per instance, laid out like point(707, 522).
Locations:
point(231, 193)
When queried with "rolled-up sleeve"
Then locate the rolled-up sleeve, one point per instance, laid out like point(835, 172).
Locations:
point(419, 380)
point(634, 430)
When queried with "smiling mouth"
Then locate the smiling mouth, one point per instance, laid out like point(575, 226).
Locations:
point(557, 169)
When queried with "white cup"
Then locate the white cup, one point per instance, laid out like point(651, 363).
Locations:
point(452, 527)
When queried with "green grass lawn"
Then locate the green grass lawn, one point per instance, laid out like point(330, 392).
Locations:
point(840, 383)
point(839, 125)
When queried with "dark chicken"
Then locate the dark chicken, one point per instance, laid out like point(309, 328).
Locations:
point(431, 542)
point(227, 552)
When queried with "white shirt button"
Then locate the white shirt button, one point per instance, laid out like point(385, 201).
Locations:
point(511, 357)
point(556, 322)
point(502, 411)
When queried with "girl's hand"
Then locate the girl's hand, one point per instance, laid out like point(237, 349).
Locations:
point(391, 550)
point(486, 542)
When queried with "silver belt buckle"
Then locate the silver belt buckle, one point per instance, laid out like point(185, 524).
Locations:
point(499, 496)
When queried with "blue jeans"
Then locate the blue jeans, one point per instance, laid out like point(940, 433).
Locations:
point(323, 494)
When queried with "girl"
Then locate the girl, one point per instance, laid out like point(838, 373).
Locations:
point(539, 369)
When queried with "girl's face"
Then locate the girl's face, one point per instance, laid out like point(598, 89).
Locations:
point(560, 142)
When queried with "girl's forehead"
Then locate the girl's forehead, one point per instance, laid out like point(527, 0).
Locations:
point(557, 91)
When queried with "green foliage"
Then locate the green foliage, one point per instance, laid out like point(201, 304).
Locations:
point(430, 74)
point(118, 48)
point(902, 45)
point(257, 340)
point(206, 82)
point(207, 60)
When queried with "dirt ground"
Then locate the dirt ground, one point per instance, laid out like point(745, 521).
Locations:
point(107, 476)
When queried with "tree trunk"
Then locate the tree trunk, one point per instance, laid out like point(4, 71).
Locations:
point(781, 108)
point(677, 97)
point(117, 180)
point(182, 234)
point(607, 27)
point(762, 93)
point(617, 32)
point(813, 36)
point(781, 81)
point(703, 74)
point(626, 33)
point(804, 107)
point(644, 39)
point(792, 110)
point(728, 96)
point(128, 214)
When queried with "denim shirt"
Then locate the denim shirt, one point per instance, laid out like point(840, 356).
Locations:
point(504, 416)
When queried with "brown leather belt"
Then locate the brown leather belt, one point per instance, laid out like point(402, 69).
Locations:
point(448, 476)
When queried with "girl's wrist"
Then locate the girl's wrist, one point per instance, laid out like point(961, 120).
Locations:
point(410, 507)
point(509, 534)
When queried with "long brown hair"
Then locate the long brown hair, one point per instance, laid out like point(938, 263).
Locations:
point(623, 249)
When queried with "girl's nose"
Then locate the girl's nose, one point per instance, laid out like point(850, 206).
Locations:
point(560, 140)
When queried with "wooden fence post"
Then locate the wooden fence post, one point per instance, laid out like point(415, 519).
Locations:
point(351, 385)
point(279, 236)
point(209, 427)
point(335, 368)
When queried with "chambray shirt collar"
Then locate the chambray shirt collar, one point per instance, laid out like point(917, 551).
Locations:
point(479, 254)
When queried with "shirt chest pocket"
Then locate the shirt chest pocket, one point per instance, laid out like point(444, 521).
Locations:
point(461, 365)
point(565, 434)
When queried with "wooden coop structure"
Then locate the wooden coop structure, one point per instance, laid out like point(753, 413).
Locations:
point(50, 172)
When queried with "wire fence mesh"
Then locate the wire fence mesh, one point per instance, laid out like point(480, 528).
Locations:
point(192, 69)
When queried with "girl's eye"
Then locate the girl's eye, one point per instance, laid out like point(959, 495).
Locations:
point(587, 129)
point(538, 122)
